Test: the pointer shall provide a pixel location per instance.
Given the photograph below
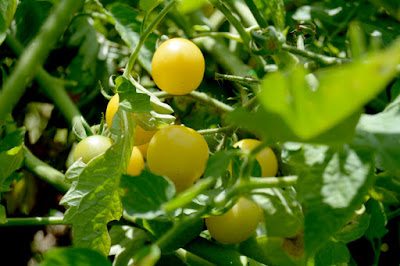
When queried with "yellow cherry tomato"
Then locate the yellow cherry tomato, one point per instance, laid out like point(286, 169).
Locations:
point(178, 66)
point(237, 224)
point(266, 157)
point(91, 147)
point(179, 153)
point(141, 136)
point(136, 163)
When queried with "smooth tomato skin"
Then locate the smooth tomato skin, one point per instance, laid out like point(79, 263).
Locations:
point(141, 136)
point(266, 157)
point(237, 224)
point(178, 66)
point(143, 149)
point(179, 153)
point(136, 163)
point(91, 147)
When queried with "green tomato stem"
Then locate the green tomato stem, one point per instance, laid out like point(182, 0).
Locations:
point(33, 221)
point(227, 35)
point(319, 58)
point(240, 79)
point(220, 130)
point(201, 97)
point(45, 171)
point(218, 254)
point(35, 54)
point(145, 35)
point(256, 13)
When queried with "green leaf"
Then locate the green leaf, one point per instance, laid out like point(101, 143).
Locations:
point(74, 256)
point(131, 101)
point(94, 198)
point(189, 6)
point(149, 5)
point(333, 253)
point(283, 214)
point(355, 229)
point(3, 216)
point(342, 91)
point(145, 194)
point(332, 185)
point(391, 6)
point(273, 128)
point(36, 119)
point(381, 132)
point(7, 11)
point(147, 256)
point(125, 242)
point(273, 10)
point(11, 156)
point(128, 27)
point(377, 225)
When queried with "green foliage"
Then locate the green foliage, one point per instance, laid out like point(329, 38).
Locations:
point(98, 180)
point(129, 29)
point(145, 194)
point(333, 253)
point(74, 256)
point(273, 10)
point(7, 11)
point(131, 101)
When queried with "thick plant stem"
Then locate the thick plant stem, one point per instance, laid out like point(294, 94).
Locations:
point(145, 35)
point(33, 221)
point(45, 171)
point(35, 54)
point(218, 254)
point(256, 13)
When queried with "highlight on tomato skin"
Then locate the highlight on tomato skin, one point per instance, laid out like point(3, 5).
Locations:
point(91, 147)
point(179, 153)
point(237, 224)
point(266, 157)
point(178, 66)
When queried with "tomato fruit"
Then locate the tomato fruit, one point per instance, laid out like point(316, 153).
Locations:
point(237, 224)
point(136, 163)
point(143, 149)
point(178, 66)
point(266, 157)
point(91, 147)
point(141, 136)
point(179, 153)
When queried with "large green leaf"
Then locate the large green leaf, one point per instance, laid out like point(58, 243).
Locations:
point(332, 185)
point(381, 133)
point(128, 27)
point(311, 109)
point(283, 214)
point(333, 253)
point(74, 256)
point(145, 194)
point(130, 100)
point(7, 11)
point(94, 198)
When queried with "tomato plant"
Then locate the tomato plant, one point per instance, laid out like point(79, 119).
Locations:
point(237, 224)
point(266, 157)
point(179, 153)
point(141, 136)
point(136, 163)
point(178, 66)
point(91, 147)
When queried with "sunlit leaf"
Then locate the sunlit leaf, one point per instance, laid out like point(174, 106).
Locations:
point(74, 256)
point(7, 11)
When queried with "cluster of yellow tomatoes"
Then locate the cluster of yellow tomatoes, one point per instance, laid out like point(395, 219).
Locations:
point(181, 153)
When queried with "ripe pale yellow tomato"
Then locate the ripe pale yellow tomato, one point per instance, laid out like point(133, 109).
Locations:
point(178, 66)
point(136, 163)
point(179, 153)
point(91, 147)
point(141, 136)
point(237, 224)
point(266, 157)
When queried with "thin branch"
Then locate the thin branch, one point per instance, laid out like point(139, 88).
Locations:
point(33, 221)
point(245, 80)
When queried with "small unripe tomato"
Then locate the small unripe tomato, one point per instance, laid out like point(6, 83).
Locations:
point(141, 136)
point(178, 66)
point(179, 153)
point(91, 147)
point(136, 163)
point(237, 224)
point(266, 157)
